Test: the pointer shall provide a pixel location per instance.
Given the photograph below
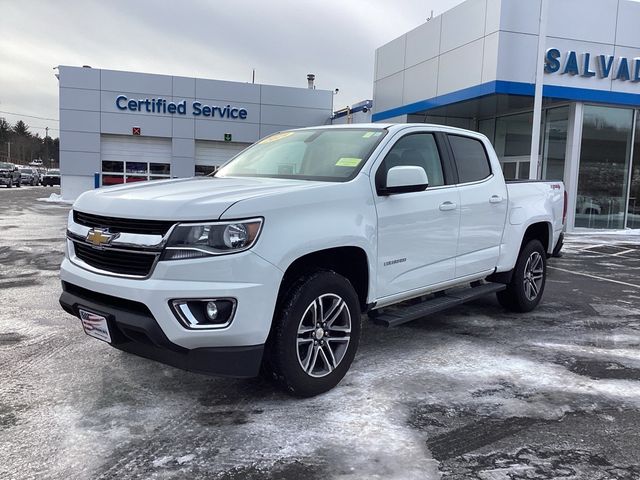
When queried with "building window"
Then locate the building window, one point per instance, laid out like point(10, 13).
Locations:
point(512, 141)
point(203, 170)
point(116, 172)
point(556, 121)
point(604, 167)
point(633, 211)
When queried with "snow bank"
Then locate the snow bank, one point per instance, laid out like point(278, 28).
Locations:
point(55, 198)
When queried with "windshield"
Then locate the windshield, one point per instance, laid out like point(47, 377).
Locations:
point(332, 155)
point(54, 171)
point(6, 166)
point(25, 170)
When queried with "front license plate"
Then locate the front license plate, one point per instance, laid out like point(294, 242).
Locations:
point(95, 325)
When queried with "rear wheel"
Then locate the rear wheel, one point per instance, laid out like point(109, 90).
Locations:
point(525, 290)
point(316, 334)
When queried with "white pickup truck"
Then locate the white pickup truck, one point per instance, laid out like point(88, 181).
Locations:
point(269, 264)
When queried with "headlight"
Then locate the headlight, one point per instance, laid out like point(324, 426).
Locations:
point(195, 240)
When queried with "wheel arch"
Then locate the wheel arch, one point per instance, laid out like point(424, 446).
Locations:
point(349, 261)
point(542, 231)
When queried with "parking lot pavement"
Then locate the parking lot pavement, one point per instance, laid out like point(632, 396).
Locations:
point(474, 392)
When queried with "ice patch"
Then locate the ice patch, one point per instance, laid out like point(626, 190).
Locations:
point(162, 461)
point(185, 458)
point(614, 310)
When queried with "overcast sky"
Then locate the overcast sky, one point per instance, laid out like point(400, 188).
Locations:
point(220, 39)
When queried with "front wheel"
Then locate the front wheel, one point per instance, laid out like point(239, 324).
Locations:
point(525, 290)
point(316, 334)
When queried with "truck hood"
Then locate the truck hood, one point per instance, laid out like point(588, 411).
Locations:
point(201, 198)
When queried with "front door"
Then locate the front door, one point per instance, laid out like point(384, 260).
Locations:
point(418, 231)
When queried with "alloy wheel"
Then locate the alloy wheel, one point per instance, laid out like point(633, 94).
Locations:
point(533, 276)
point(324, 333)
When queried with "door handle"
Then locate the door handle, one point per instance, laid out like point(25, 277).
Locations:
point(495, 199)
point(447, 206)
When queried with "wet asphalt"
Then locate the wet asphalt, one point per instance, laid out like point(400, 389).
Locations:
point(474, 392)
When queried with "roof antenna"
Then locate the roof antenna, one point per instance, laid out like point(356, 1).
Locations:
point(430, 16)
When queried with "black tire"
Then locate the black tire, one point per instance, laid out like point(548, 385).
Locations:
point(19, 184)
point(283, 358)
point(519, 295)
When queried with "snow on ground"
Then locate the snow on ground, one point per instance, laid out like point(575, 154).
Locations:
point(475, 392)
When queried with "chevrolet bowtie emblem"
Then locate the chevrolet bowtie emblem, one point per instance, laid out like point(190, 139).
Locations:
point(101, 237)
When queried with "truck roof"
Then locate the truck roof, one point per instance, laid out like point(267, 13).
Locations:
point(387, 126)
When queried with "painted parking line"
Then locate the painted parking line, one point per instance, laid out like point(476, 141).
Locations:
point(595, 277)
point(631, 250)
point(623, 254)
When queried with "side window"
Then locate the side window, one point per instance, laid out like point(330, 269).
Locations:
point(471, 158)
point(416, 149)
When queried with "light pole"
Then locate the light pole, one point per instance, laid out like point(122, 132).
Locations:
point(46, 146)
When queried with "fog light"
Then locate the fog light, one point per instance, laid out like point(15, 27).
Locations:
point(211, 311)
point(205, 313)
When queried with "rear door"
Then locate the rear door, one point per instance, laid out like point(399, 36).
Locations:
point(483, 206)
point(418, 231)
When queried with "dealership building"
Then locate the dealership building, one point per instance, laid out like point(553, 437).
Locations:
point(128, 127)
point(475, 67)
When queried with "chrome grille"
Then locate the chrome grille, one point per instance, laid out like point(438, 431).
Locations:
point(132, 252)
point(117, 261)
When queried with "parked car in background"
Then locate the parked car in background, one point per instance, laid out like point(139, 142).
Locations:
point(9, 175)
point(29, 176)
point(51, 178)
point(35, 163)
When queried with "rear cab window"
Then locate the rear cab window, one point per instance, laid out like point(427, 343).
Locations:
point(471, 159)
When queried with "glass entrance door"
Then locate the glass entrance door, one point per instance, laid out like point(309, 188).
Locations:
point(633, 211)
point(604, 167)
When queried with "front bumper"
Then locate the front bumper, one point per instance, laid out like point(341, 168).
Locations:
point(245, 276)
point(133, 329)
point(6, 180)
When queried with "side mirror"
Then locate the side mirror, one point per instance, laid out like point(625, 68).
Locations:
point(15, 169)
point(405, 179)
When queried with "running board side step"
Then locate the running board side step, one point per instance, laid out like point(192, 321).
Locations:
point(397, 315)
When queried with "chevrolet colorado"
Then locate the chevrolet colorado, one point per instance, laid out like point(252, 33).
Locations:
point(269, 264)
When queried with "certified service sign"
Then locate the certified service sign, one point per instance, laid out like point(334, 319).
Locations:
point(197, 109)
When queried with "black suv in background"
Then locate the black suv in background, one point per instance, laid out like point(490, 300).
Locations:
point(51, 178)
point(9, 175)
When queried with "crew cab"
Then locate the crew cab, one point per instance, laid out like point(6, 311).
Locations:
point(268, 264)
point(9, 175)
